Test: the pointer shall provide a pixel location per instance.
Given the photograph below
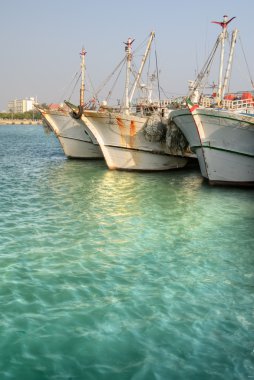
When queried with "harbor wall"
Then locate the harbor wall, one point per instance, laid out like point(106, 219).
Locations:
point(19, 121)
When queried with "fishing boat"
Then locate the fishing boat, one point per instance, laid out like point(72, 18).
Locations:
point(75, 138)
point(220, 128)
point(132, 135)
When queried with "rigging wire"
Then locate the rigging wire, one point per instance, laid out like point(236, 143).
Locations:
point(134, 71)
point(109, 77)
point(75, 85)
point(157, 71)
point(228, 86)
point(206, 68)
point(104, 83)
point(67, 87)
point(114, 83)
point(246, 61)
point(120, 68)
point(148, 71)
point(93, 92)
point(141, 45)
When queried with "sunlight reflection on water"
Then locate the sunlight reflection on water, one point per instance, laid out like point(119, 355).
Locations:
point(115, 275)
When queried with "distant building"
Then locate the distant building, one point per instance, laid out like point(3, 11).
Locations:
point(21, 105)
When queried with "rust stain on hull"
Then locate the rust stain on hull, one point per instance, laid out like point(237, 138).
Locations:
point(121, 127)
point(132, 133)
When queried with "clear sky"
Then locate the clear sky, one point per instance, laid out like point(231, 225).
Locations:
point(41, 39)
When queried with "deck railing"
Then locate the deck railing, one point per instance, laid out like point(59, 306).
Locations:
point(237, 104)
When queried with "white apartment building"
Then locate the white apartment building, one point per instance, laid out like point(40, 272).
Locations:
point(21, 105)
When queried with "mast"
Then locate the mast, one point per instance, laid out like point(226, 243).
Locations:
point(222, 41)
point(82, 86)
point(223, 36)
point(195, 86)
point(128, 69)
point(152, 35)
point(232, 47)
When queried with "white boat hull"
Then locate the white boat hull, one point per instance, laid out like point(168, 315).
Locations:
point(124, 145)
point(223, 142)
point(74, 137)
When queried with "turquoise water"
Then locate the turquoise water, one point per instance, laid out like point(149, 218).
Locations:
point(117, 275)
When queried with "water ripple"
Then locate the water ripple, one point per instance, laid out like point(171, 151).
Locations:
point(114, 275)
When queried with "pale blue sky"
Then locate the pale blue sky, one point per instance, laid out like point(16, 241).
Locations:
point(41, 40)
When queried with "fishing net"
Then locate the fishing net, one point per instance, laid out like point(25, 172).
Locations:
point(155, 129)
point(175, 140)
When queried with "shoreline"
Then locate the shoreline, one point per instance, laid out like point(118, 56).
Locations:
point(19, 122)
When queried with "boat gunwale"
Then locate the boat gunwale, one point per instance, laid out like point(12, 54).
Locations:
point(204, 112)
point(195, 147)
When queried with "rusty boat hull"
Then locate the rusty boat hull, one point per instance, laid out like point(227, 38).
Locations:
point(124, 145)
